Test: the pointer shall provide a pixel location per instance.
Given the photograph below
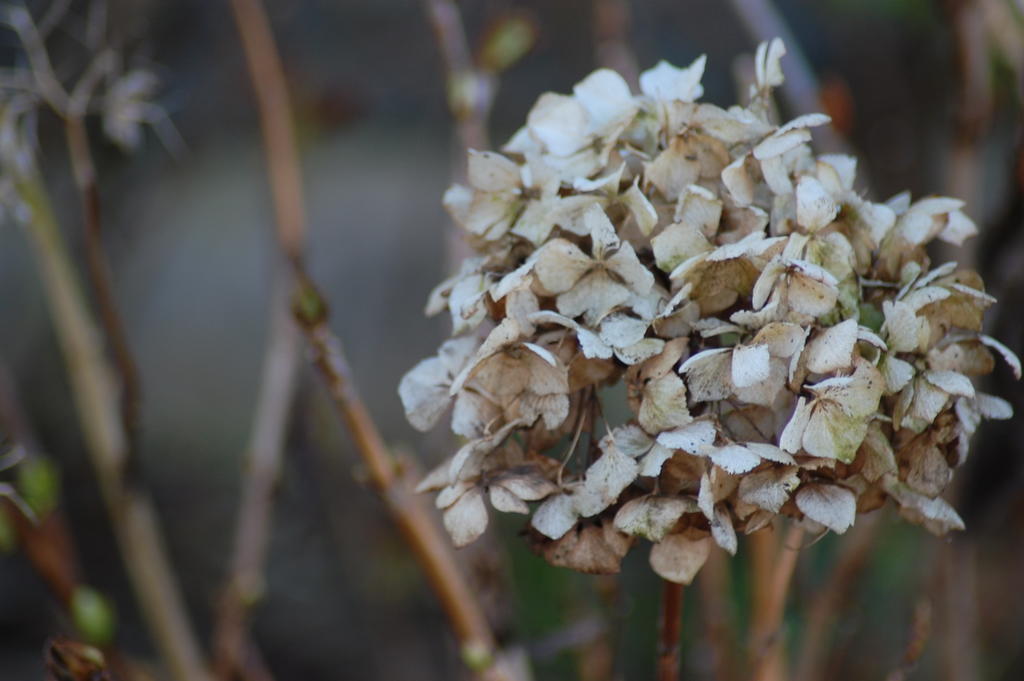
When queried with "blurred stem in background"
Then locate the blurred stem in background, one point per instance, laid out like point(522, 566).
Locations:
point(45, 539)
point(244, 585)
point(95, 395)
point(772, 562)
point(411, 514)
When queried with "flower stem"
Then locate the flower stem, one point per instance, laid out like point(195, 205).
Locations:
point(93, 388)
point(771, 588)
point(669, 631)
point(413, 517)
point(98, 271)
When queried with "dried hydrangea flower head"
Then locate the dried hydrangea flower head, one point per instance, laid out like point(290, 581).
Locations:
point(785, 345)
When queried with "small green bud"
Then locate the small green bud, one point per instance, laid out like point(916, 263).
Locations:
point(477, 656)
point(871, 317)
point(8, 535)
point(507, 42)
point(93, 616)
point(308, 306)
point(39, 484)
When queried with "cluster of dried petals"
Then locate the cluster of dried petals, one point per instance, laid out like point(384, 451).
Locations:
point(784, 344)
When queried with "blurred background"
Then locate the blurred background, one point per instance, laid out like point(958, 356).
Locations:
point(926, 93)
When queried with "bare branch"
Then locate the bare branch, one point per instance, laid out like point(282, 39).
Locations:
point(414, 519)
point(244, 583)
point(131, 511)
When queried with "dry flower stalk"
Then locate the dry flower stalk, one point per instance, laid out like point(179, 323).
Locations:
point(421, 532)
point(786, 347)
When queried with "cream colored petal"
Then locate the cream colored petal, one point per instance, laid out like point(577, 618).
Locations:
point(675, 169)
point(436, 479)
point(641, 351)
point(709, 374)
point(621, 330)
point(500, 337)
point(767, 66)
point(832, 349)
point(920, 223)
point(601, 231)
point(775, 171)
point(692, 438)
point(457, 200)
point(605, 480)
point(815, 208)
point(782, 339)
point(1008, 354)
point(733, 458)
point(491, 172)
point(832, 433)
point(632, 440)
point(750, 365)
point(664, 404)
point(791, 438)
point(466, 519)
point(951, 382)
point(722, 530)
point(738, 181)
point(769, 489)
point(699, 207)
point(958, 229)
point(490, 214)
point(640, 208)
point(678, 558)
point(902, 328)
point(608, 183)
point(555, 516)
point(560, 264)
point(652, 517)
point(559, 122)
point(779, 142)
point(517, 278)
point(652, 462)
point(424, 393)
point(505, 501)
point(628, 267)
point(678, 243)
point(529, 487)
point(842, 167)
point(667, 83)
point(811, 296)
point(934, 514)
point(992, 407)
point(896, 372)
point(593, 296)
point(766, 282)
point(833, 506)
point(473, 414)
point(606, 98)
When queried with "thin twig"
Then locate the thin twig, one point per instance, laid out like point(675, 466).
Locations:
point(271, 89)
point(244, 583)
point(768, 659)
point(831, 598)
point(714, 584)
point(131, 511)
point(418, 527)
point(920, 632)
point(669, 630)
point(611, 39)
point(470, 89)
point(98, 269)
